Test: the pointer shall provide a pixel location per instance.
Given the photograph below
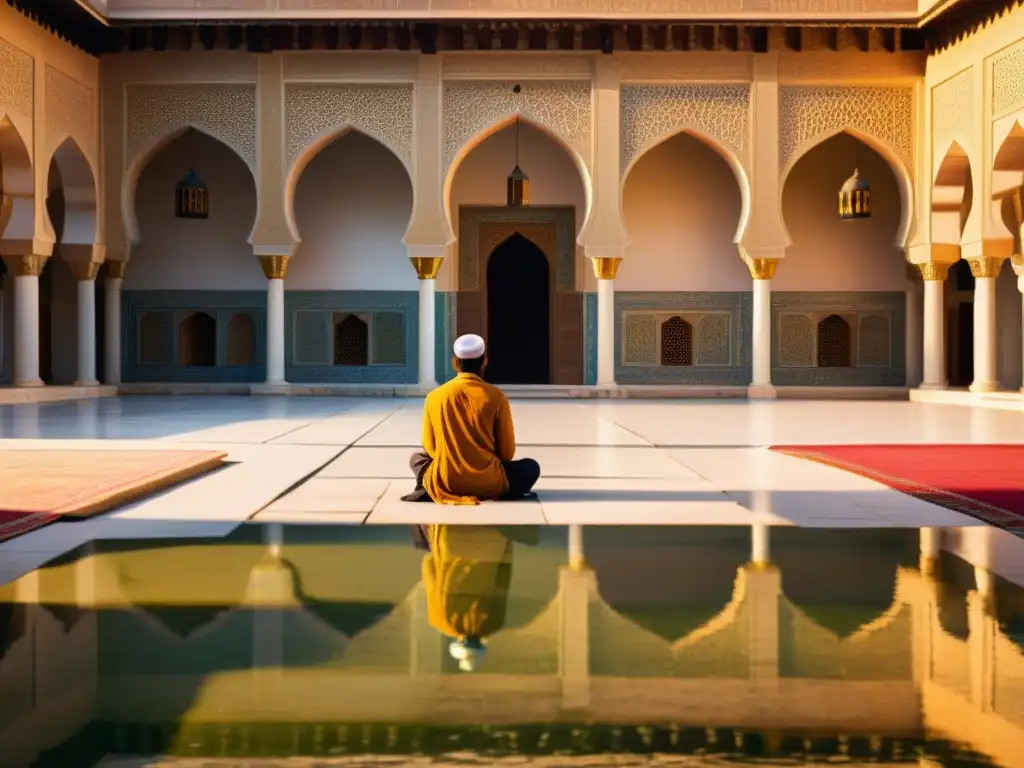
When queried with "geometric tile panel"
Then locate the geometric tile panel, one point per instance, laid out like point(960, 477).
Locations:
point(834, 342)
point(389, 338)
point(676, 342)
point(156, 338)
point(874, 344)
point(639, 339)
point(351, 340)
point(796, 340)
point(312, 338)
point(713, 340)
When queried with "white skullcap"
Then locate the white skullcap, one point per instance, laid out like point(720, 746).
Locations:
point(469, 347)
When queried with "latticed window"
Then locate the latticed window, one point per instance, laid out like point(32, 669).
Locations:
point(242, 340)
point(197, 341)
point(351, 341)
point(833, 343)
point(676, 342)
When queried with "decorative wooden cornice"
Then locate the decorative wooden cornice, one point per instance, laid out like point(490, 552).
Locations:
point(70, 22)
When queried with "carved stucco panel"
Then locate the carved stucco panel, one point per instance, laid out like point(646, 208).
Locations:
point(564, 108)
point(226, 112)
point(15, 79)
point(952, 107)
point(809, 113)
point(70, 108)
point(383, 112)
point(1008, 82)
point(652, 112)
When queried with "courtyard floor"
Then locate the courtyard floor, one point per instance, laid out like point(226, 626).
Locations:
point(342, 460)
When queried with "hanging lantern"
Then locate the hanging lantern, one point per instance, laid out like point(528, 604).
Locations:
point(518, 183)
point(191, 198)
point(855, 198)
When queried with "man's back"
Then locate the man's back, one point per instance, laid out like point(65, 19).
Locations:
point(467, 432)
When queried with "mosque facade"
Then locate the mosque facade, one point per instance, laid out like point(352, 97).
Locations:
point(300, 197)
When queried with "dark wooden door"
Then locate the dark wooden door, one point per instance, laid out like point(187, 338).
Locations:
point(568, 338)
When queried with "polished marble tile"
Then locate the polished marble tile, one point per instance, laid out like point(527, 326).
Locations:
point(391, 509)
point(333, 495)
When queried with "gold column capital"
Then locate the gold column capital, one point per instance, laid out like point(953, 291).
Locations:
point(274, 267)
point(28, 265)
point(762, 269)
point(85, 270)
point(606, 267)
point(426, 267)
point(935, 271)
point(116, 269)
point(986, 266)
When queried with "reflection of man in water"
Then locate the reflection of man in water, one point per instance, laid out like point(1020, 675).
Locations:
point(468, 439)
point(466, 577)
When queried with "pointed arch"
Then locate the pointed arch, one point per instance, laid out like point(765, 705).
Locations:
point(951, 195)
point(312, 150)
point(904, 181)
point(17, 183)
point(78, 184)
point(742, 181)
point(142, 158)
point(1008, 160)
point(498, 125)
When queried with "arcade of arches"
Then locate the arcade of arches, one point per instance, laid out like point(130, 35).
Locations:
point(682, 226)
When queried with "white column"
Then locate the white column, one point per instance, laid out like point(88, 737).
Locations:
point(934, 330)
point(87, 332)
point(760, 544)
point(112, 322)
point(26, 271)
point(605, 332)
point(428, 335)
point(577, 561)
point(762, 271)
point(985, 271)
point(275, 268)
point(427, 268)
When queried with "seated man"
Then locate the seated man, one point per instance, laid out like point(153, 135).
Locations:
point(468, 439)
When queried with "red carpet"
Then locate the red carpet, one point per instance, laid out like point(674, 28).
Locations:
point(983, 481)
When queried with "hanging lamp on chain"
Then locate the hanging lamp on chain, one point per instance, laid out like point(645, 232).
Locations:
point(855, 198)
point(191, 197)
point(518, 184)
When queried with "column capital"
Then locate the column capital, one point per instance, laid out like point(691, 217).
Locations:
point(115, 269)
point(762, 269)
point(921, 253)
point(85, 270)
point(988, 248)
point(933, 270)
point(426, 267)
point(275, 267)
point(986, 266)
point(606, 267)
point(27, 265)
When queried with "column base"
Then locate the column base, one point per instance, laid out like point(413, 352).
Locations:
point(36, 382)
point(88, 383)
point(271, 388)
point(934, 387)
point(761, 392)
point(984, 387)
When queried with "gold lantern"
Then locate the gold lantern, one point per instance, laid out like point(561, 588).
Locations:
point(191, 198)
point(518, 183)
point(855, 198)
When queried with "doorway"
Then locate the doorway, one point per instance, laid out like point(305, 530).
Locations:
point(518, 313)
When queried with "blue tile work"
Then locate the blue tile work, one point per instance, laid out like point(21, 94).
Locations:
point(590, 339)
point(221, 305)
point(444, 329)
point(818, 304)
point(326, 303)
point(737, 304)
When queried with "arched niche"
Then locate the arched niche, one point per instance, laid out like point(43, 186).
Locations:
point(17, 220)
point(952, 195)
point(1008, 180)
point(831, 254)
point(896, 167)
point(169, 253)
point(77, 182)
point(350, 202)
point(499, 137)
point(197, 341)
point(685, 203)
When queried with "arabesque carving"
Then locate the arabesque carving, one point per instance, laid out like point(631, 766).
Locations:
point(226, 112)
point(70, 108)
point(1008, 82)
point(807, 114)
point(650, 113)
point(563, 107)
point(15, 79)
point(953, 107)
point(383, 112)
